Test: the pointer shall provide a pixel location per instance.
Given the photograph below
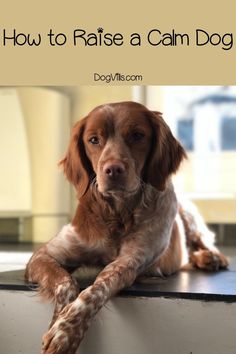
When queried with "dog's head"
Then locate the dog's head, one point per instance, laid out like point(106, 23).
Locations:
point(121, 144)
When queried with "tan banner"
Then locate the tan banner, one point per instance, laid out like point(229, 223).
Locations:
point(119, 43)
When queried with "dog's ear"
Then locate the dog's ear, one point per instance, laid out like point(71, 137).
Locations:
point(165, 155)
point(76, 164)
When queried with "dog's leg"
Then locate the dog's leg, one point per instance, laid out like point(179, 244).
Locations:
point(174, 256)
point(136, 254)
point(200, 240)
point(68, 331)
point(50, 269)
point(54, 282)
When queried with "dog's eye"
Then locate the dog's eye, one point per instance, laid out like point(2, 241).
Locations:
point(94, 140)
point(137, 136)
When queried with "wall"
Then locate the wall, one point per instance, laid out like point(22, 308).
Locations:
point(15, 177)
point(47, 122)
point(126, 325)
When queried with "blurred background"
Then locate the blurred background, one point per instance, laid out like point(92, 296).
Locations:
point(35, 124)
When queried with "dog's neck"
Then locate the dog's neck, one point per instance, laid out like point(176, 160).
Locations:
point(116, 214)
point(117, 203)
point(118, 200)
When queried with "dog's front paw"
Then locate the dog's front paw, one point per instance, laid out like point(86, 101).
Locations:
point(65, 335)
point(57, 340)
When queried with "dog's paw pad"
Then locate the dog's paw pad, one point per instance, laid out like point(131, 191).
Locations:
point(209, 260)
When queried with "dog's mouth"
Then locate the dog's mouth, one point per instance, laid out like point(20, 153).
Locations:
point(118, 188)
point(116, 180)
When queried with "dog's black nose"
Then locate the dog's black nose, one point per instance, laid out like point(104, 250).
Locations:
point(114, 170)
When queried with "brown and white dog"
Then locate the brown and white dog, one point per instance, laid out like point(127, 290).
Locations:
point(120, 160)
